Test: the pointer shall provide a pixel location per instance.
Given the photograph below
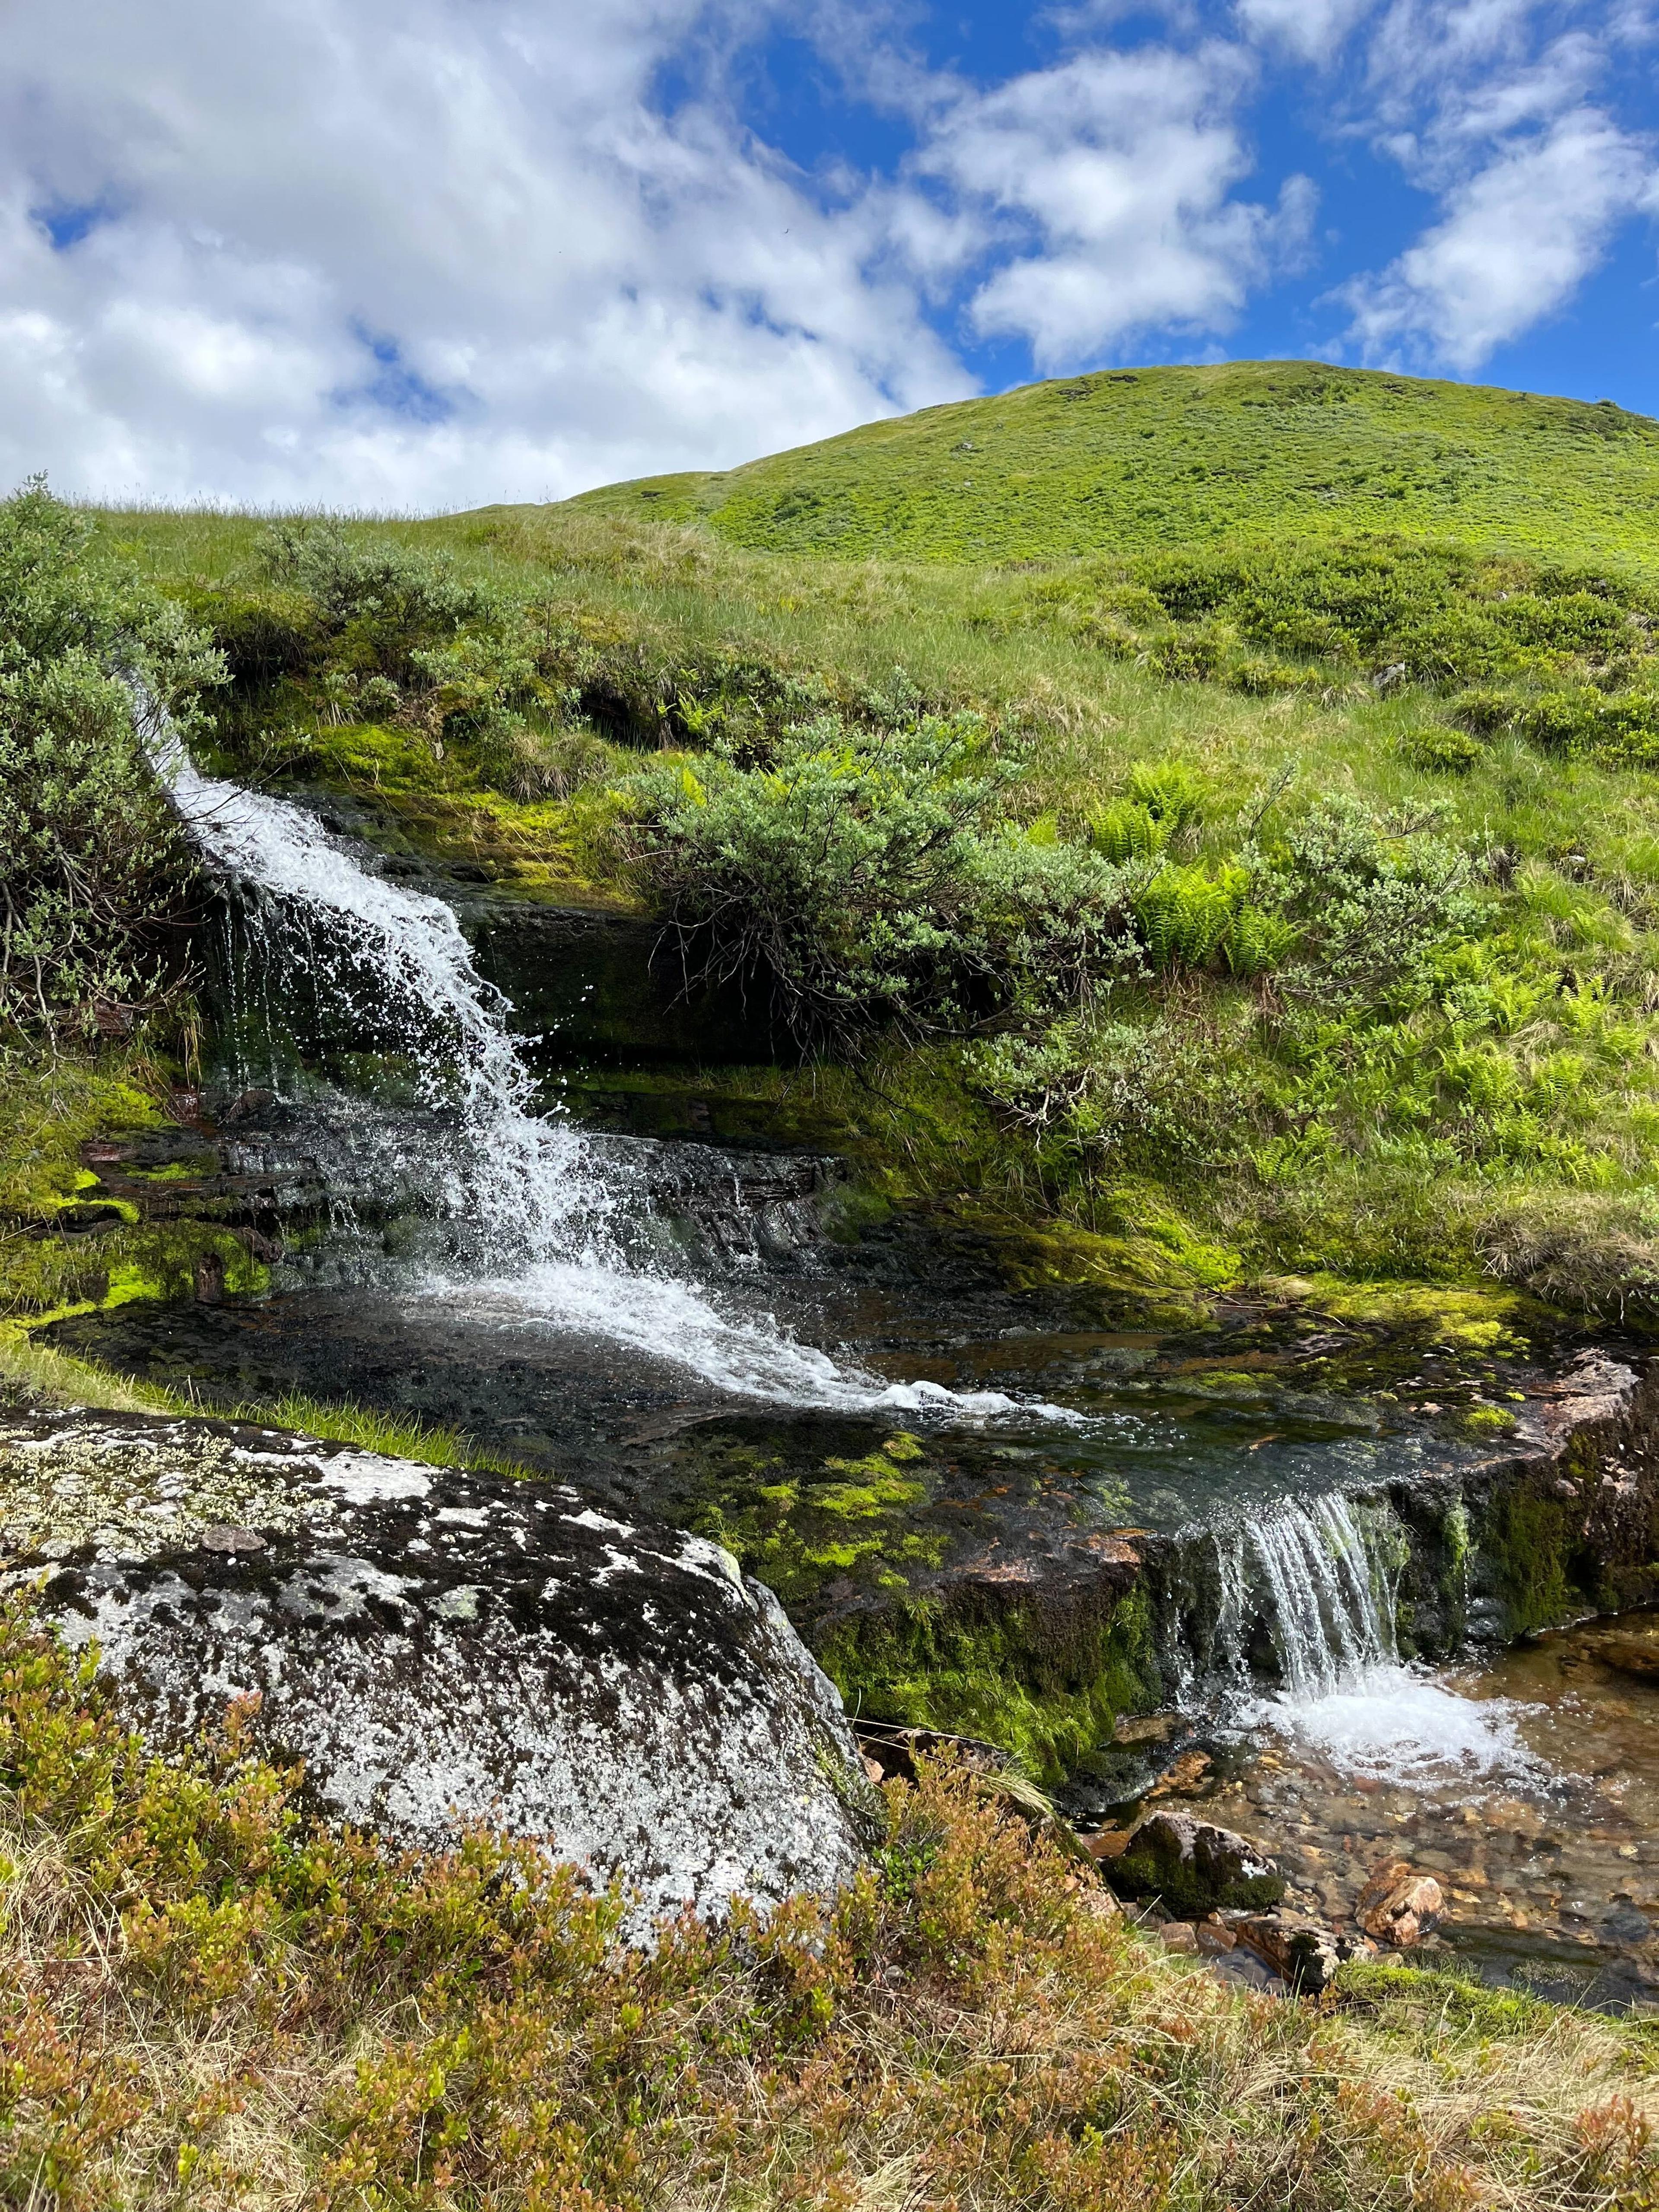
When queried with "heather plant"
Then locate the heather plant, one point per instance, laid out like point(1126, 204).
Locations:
point(209, 1997)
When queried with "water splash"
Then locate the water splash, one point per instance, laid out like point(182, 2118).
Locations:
point(1314, 1581)
point(542, 1226)
point(1393, 1723)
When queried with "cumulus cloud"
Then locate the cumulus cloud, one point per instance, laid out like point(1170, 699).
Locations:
point(1114, 173)
point(1487, 103)
point(1517, 240)
point(414, 253)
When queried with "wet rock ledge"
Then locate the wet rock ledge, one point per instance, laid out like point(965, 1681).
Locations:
point(441, 1648)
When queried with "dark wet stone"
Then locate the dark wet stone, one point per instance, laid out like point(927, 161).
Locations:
point(1194, 1868)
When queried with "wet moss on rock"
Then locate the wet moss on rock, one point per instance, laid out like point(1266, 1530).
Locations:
point(1016, 1673)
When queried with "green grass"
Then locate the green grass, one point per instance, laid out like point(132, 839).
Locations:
point(1133, 459)
point(1504, 1124)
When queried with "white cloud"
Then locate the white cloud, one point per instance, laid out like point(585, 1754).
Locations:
point(1111, 177)
point(1312, 30)
point(1517, 240)
point(413, 254)
point(1487, 104)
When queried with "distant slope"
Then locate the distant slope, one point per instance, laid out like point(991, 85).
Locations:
point(1138, 458)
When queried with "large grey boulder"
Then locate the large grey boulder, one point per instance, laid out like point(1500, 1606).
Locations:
point(440, 1647)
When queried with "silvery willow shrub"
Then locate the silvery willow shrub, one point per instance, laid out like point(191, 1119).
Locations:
point(93, 868)
point(1373, 902)
point(865, 875)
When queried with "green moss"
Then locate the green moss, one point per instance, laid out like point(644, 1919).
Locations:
point(1528, 1543)
point(861, 1521)
point(1486, 1421)
point(1050, 1697)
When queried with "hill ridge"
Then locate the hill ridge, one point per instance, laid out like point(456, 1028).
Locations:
point(1123, 460)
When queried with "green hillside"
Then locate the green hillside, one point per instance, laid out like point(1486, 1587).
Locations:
point(1140, 458)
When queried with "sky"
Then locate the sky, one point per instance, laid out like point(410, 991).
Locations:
point(419, 255)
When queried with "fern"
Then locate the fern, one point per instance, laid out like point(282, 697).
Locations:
point(1127, 831)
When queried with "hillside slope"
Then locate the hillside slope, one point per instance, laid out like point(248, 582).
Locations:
point(1136, 458)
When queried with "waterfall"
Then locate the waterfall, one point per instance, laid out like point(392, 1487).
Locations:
point(1327, 1595)
point(1305, 1593)
point(542, 1226)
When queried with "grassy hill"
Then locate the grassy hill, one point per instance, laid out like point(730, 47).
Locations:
point(1140, 458)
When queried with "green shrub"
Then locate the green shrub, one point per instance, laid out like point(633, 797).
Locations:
point(1442, 751)
point(93, 869)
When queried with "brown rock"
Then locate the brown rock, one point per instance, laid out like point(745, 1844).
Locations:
point(1187, 1772)
point(1146, 1728)
point(1303, 1952)
point(1215, 1938)
point(1399, 1905)
point(1630, 1655)
point(1179, 1935)
point(219, 1538)
point(1107, 1842)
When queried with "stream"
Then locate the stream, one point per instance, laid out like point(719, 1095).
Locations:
point(658, 1320)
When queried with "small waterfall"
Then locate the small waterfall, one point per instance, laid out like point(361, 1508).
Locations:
point(1329, 1595)
point(1287, 1620)
point(1301, 1593)
point(541, 1227)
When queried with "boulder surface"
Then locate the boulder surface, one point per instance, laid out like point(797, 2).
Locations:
point(441, 1648)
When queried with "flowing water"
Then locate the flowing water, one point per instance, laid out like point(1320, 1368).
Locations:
point(540, 1227)
point(643, 1316)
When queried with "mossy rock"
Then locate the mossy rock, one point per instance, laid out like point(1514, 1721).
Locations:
point(1196, 1867)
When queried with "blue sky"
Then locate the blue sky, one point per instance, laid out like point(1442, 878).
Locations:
point(428, 254)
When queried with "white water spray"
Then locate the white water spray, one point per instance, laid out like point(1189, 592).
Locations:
point(541, 1210)
point(1319, 1574)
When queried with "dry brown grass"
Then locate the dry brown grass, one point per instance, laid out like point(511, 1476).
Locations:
point(206, 2002)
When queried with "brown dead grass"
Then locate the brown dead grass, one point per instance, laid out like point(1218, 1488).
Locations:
point(206, 2001)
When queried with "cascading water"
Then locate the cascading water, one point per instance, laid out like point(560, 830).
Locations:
point(542, 1228)
point(1306, 1593)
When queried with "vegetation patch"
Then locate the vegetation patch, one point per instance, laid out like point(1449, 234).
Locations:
point(209, 1999)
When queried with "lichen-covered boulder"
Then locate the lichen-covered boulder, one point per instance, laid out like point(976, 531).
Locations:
point(441, 1648)
point(1194, 1866)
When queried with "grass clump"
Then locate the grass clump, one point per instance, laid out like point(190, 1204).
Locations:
point(211, 2000)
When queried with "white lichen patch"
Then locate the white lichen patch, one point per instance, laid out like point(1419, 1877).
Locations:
point(142, 1493)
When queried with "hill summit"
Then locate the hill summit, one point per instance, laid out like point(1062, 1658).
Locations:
point(1133, 459)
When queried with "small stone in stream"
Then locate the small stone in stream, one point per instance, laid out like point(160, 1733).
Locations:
point(1184, 1777)
point(1399, 1905)
point(1106, 1842)
point(1195, 1866)
point(1628, 1655)
point(1303, 1952)
point(1146, 1728)
point(1243, 1966)
point(219, 1538)
point(1215, 1938)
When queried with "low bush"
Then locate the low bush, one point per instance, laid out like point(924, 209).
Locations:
point(93, 875)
